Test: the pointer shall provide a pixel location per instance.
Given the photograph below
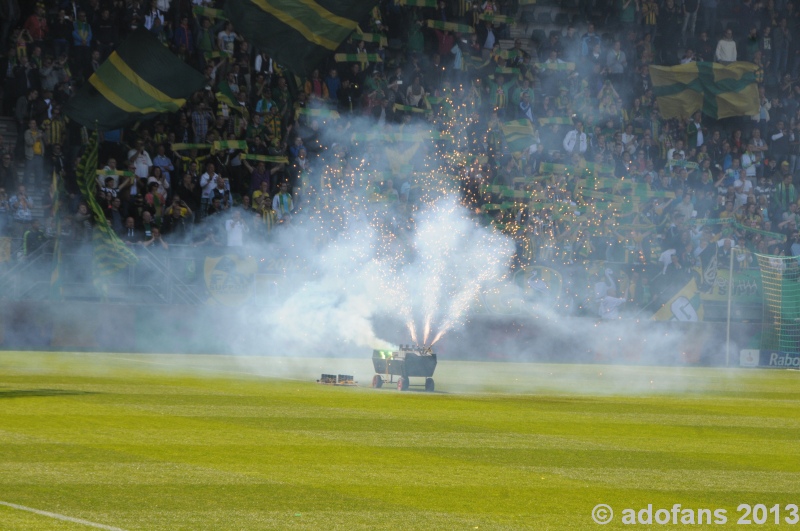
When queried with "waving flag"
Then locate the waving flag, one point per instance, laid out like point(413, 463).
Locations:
point(139, 80)
point(686, 305)
point(719, 91)
point(297, 33)
point(110, 254)
point(518, 134)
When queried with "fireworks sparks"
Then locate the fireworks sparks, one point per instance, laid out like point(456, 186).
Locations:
point(385, 207)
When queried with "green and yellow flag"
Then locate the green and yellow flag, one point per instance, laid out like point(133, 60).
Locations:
point(371, 37)
point(266, 158)
point(209, 12)
point(225, 95)
point(418, 3)
point(518, 134)
point(449, 26)
point(719, 91)
point(139, 80)
point(685, 305)
point(556, 120)
point(357, 58)
point(297, 33)
point(559, 67)
point(110, 254)
point(317, 113)
point(496, 19)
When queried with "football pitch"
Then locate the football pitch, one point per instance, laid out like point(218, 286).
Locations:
point(148, 442)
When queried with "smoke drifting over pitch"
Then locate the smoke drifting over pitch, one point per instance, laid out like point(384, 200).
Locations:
point(423, 279)
point(363, 277)
point(354, 275)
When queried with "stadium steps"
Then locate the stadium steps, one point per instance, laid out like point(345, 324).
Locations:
point(8, 130)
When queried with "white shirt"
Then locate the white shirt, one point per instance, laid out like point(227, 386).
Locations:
point(572, 139)
point(142, 163)
point(282, 204)
point(726, 51)
point(671, 153)
point(748, 163)
point(101, 178)
point(150, 18)
point(700, 138)
point(208, 183)
point(235, 230)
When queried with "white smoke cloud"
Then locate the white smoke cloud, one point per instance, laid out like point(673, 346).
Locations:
point(348, 282)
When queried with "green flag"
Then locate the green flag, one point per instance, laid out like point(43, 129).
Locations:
point(266, 158)
point(139, 80)
point(507, 70)
point(297, 33)
point(685, 305)
point(219, 145)
point(449, 26)
point(719, 91)
point(110, 254)
point(556, 120)
point(371, 37)
point(559, 67)
point(317, 113)
point(418, 3)
point(357, 58)
point(497, 19)
point(209, 12)
point(225, 95)
point(398, 107)
point(519, 135)
point(179, 146)
point(549, 167)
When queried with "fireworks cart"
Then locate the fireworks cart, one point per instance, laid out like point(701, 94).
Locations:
point(410, 361)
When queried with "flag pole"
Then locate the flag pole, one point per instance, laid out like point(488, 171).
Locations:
point(730, 297)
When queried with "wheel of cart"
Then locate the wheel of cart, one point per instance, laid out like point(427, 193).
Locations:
point(429, 385)
point(402, 384)
point(377, 381)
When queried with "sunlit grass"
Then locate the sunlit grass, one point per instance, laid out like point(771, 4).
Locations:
point(207, 442)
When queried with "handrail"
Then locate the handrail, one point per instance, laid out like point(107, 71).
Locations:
point(10, 281)
point(184, 292)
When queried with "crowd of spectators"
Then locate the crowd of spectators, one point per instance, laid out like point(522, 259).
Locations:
point(582, 81)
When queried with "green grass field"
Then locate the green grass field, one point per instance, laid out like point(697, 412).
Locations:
point(213, 442)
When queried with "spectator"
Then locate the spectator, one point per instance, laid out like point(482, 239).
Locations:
point(726, 49)
point(8, 172)
point(208, 182)
point(34, 153)
point(178, 221)
point(282, 203)
point(236, 229)
point(33, 239)
point(130, 234)
point(156, 241)
point(140, 158)
point(576, 140)
point(82, 41)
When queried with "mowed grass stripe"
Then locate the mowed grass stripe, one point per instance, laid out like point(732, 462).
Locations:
point(148, 450)
point(167, 429)
point(390, 476)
